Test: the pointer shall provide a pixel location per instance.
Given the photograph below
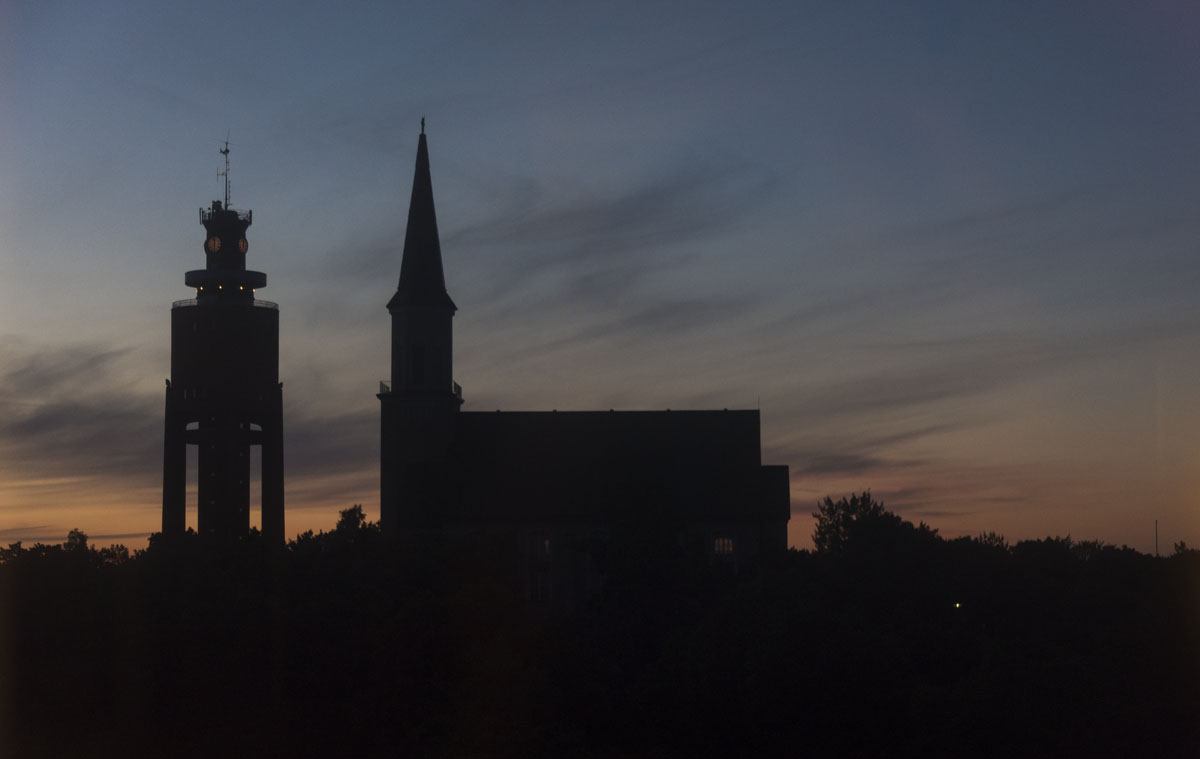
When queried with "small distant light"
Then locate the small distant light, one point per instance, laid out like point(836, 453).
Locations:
point(957, 605)
point(241, 287)
point(220, 287)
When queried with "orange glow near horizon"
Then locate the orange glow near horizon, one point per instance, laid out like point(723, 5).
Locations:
point(45, 509)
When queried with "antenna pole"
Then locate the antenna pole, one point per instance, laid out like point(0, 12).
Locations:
point(1156, 537)
point(225, 152)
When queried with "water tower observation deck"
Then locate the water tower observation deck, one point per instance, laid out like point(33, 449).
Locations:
point(225, 278)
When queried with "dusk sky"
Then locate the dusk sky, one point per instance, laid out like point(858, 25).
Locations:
point(951, 250)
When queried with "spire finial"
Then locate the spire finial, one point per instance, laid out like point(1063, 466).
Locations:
point(422, 125)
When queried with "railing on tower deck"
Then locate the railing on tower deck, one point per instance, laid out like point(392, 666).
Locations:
point(385, 387)
point(256, 303)
point(208, 213)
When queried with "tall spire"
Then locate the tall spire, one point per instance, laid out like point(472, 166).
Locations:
point(422, 282)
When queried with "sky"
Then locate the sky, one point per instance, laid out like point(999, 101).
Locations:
point(950, 250)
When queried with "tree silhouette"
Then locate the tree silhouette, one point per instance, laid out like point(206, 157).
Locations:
point(859, 522)
point(887, 640)
point(77, 540)
point(351, 520)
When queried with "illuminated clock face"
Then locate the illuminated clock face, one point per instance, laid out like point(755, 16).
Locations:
point(212, 244)
point(243, 246)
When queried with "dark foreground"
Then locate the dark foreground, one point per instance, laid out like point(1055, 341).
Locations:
point(887, 641)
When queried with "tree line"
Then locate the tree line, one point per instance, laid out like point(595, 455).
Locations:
point(886, 639)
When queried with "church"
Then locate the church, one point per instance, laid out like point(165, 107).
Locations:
point(561, 487)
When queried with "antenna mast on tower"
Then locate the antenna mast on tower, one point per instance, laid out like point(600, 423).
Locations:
point(225, 173)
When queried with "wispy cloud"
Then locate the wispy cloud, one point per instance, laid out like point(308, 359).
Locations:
point(865, 450)
point(601, 243)
point(321, 445)
point(68, 410)
point(911, 373)
point(29, 369)
point(21, 533)
point(71, 419)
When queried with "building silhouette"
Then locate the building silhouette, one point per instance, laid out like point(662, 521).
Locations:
point(224, 393)
point(561, 486)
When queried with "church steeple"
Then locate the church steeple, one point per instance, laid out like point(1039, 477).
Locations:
point(421, 309)
point(422, 282)
point(421, 402)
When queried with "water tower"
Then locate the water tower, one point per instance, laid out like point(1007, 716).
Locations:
point(224, 394)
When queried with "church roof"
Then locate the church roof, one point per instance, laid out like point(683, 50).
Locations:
point(606, 465)
point(422, 282)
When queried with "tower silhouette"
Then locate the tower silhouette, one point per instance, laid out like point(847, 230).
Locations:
point(419, 405)
point(224, 393)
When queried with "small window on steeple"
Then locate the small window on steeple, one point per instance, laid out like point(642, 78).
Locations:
point(417, 367)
